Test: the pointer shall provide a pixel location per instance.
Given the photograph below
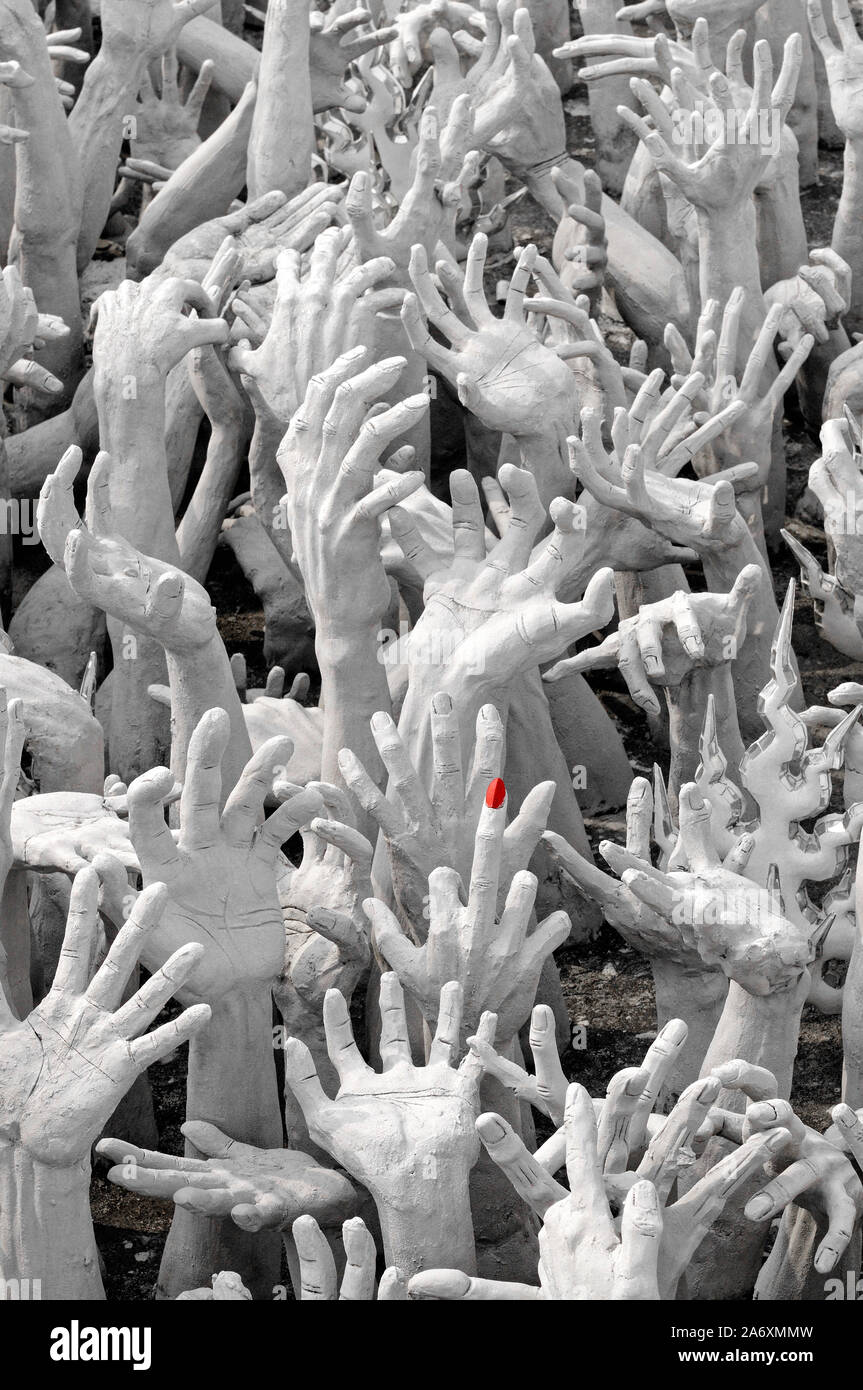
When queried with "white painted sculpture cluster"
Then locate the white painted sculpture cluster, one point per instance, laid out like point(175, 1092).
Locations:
point(435, 503)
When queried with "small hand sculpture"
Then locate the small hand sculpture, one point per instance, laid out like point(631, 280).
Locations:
point(390, 1128)
point(260, 1189)
point(425, 831)
point(56, 1098)
point(221, 875)
point(166, 128)
point(315, 319)
point(494, 959)
point(263, 228)
point(664, 641)
point(333, 47)
point(22, 330)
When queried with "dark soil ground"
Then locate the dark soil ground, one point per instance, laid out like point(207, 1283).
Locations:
point(607, 985)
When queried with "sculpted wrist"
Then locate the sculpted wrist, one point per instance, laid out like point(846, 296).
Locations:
point(47, 1233)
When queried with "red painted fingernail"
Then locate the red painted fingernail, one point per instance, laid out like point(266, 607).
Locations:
point(496, 794)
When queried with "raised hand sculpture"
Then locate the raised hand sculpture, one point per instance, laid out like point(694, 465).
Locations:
point(56, 1099)
point(406, 1133)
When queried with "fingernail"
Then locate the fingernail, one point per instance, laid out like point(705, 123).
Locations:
point(496, 794)
point(493, 1129)
point(758, 1208)
point(381, 720)
point(441, 703)
point(675, 1031)
point(644, 1196)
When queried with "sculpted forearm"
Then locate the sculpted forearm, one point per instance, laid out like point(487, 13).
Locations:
point(282, 136)
point(96, 127)
point(47, 1235)
point(848, 227)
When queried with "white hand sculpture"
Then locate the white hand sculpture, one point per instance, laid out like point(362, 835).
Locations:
point(260, 1189)
point(407, 1133)
point(495, 959)
point(221, 875)
point(426, 831)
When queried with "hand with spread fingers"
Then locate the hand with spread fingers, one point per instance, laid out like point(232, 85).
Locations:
point(581, 1254)
point(263, 228)
point(333, 47)
point(811, 1171)
point(727, 172)
point(746, 437)
point(316, 317)
point(428, 210)
point(221, 874)
point(665, 641)
point(503, 373)
point(406, 1133)
point(57, 1097)
point(166, 128)
point(737, 925)
point(518, 115)
point(686, 986)
point(842, 52)
point(495, 958)
point(489, 617)
point(427, 831)
point(260, 1189)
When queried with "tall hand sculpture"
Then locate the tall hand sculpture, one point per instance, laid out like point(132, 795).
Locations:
point(221, 878)
point(145, 596)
